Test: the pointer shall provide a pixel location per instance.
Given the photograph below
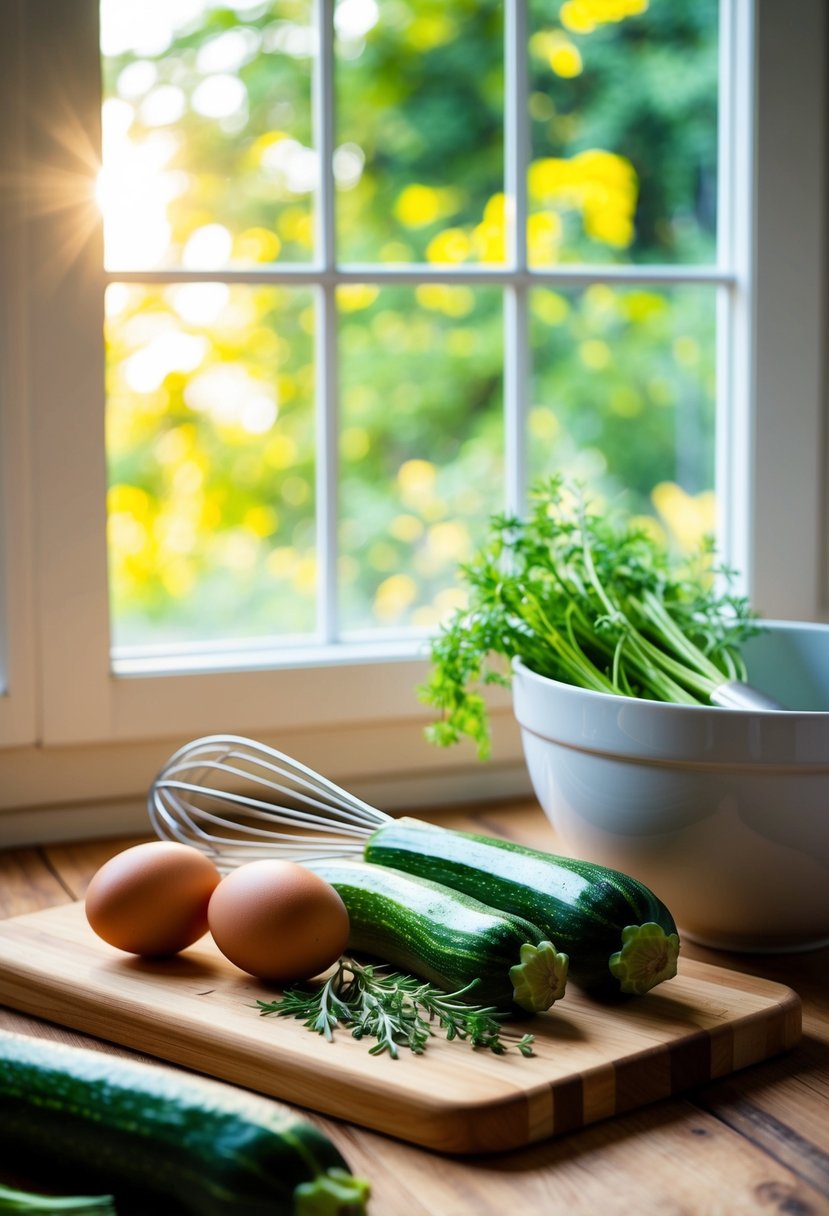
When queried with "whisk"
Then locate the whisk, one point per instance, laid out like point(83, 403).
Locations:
point(236, 799)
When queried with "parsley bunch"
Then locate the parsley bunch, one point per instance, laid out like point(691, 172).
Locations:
point(588, 600)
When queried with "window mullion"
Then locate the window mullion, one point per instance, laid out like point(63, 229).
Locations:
point(516, 293)
point(483, 274)
point(327, 393)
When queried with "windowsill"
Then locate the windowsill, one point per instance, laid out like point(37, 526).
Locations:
point(260, 654)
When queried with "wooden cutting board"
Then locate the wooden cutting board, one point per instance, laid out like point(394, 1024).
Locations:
point(591, 1060)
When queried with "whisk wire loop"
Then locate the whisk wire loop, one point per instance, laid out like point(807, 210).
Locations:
point(256, 808)
point(293, 790)
point(221, 782)
point(260, 759)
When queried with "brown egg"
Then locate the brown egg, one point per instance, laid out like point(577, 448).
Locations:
point(278, 920)
point(152, 899)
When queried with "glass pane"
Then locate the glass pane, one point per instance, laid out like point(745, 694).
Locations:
point(207, 157)
point(623, 109)
point(419, 157)
point(421, 447)
point(624, 399)
point(210, 441)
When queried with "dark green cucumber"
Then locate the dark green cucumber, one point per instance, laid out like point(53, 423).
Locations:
point(612, 927)
point(191, 1145)
point(447, 937)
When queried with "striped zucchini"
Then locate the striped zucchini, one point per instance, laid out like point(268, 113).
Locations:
point(611, 926)
point(183, 1143)
point(447, 937)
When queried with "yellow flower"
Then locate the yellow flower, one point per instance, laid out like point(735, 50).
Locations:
point(351, 297)
point(583, 16)
point(544, 232)
point(609, 225)
point(452, 245)
point(595, 354)
point(257, 245)
point(577, 16)
point(417, 206)
point(439, 297)
point(417, 480)
point(547, 177)
point(394, 596)
point(565, 59)
point(449, 542)
point(551, 307)
point(688, 518)
point(561, 55)
point(428, 30)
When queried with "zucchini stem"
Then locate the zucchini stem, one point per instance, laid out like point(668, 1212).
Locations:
point(334, 1193)
point(647, 957)
point(539, 980)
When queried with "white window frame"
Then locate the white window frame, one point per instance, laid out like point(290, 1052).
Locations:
point(74, 732)
point(17, 634)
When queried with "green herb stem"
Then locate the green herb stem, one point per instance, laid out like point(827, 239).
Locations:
point(660, 678)
point(573, 659)
point(670, 633)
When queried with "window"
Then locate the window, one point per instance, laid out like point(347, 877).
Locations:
point(253, 376)
point(244, 290)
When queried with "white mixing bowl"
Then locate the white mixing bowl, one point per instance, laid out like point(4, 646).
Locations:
point(724, 813)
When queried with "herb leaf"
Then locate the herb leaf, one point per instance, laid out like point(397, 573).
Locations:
point(394, 1009)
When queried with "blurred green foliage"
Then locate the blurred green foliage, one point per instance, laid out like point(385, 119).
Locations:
point(209, 164)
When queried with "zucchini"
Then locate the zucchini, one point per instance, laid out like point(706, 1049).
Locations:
point(447, 937)
point(612, 927)
point(185, 1143)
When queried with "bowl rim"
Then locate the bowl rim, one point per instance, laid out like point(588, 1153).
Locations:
point(644, 730)
point(519, 667)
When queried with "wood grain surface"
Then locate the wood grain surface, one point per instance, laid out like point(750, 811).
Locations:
point(751, 1144)
point(590, 1060)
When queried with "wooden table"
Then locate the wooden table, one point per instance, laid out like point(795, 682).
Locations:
point(755, 1142)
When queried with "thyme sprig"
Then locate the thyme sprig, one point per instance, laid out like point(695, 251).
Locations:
point(589, 600)
point(395, 1009)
